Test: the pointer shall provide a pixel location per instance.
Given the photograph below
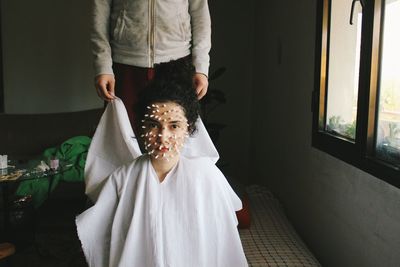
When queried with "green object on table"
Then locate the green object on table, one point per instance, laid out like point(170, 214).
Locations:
point(73, 151)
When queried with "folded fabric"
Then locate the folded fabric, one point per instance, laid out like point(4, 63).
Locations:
point(72, 152)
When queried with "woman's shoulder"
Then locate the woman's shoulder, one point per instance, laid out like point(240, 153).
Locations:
point(202, 164)
point(208, 178)
point(126, 170)
point(201, 169)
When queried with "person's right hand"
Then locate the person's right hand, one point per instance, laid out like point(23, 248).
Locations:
point(105, 84)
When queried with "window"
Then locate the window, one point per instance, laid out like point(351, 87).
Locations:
point(1, 86)
point(356, 101)
point(1, 68)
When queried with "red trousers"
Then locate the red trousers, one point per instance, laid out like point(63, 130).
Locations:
point(129, 81)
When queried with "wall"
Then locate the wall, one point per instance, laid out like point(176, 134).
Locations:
point(46, 56)
point(347, 217)
point(233, 48)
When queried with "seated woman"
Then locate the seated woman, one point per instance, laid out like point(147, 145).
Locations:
point(170, 206)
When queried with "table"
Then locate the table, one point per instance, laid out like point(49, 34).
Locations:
point(19, 171)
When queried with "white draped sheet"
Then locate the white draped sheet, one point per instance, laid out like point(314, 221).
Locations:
point(188, 220)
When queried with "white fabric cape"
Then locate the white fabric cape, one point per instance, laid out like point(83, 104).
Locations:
point(188, 220)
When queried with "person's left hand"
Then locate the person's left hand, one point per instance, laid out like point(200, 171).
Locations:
point(201, 84)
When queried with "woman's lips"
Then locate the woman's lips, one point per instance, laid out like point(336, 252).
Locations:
point(164, 149)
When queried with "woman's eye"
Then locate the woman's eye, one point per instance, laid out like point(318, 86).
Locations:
point(152, 125)
point(175, 126)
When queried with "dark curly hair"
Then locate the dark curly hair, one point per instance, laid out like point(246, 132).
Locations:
point(173, 82)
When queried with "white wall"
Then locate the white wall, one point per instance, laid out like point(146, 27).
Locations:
point(46, 56)
point(347, 217)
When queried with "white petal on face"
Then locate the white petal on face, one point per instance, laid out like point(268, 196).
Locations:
point(168, 124)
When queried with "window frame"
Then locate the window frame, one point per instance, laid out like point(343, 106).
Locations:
point(1, 62)
point(361, 152)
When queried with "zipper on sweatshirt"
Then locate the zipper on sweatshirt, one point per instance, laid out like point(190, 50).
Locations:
point(123, 14)
point(151, 31)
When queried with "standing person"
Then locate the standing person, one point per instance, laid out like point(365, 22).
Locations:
point(130, 37)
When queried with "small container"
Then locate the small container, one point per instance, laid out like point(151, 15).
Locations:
point(3, 172)
point(54, 163)
point(3, 161)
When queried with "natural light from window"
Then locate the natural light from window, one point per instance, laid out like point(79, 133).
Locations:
point(388, 139)
point(343, 69)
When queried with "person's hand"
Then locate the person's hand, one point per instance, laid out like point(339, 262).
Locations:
point(105, 84)
point(201, 84)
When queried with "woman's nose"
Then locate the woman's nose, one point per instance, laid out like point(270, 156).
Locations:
point(163, 134)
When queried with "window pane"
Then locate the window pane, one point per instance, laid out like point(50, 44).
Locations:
point(388, 138)
point(343, 69)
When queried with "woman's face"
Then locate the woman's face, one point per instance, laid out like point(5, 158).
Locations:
point(164, 130)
